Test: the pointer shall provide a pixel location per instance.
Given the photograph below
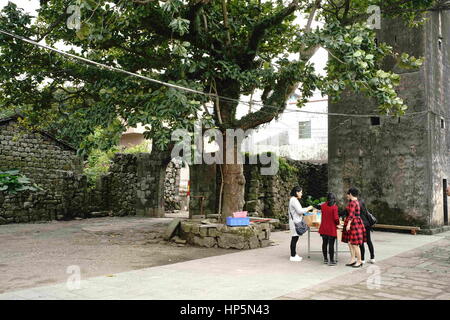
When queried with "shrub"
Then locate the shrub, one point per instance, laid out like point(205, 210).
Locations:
point(12, 181)
point(99, 162)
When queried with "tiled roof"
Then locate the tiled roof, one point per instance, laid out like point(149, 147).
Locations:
point(45, 133)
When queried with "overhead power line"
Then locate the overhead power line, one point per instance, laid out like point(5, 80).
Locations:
point(170, 85)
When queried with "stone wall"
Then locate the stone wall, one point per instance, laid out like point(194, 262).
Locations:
point(48, 162)
point(265, 195)
point(437, 89)
point(172, 186)
point(210, 235)
point(204, 189)
point(268, 195)
point(400, 164)
point(133, 186)
point(123, 185)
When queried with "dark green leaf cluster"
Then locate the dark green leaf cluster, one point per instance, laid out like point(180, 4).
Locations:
point(12, 182)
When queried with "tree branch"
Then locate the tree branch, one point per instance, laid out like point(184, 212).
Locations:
point(225, 21)
point(259, 31)
point(274, 103)
point(52, 27)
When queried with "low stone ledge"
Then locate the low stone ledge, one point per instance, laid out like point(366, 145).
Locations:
point(256, 235)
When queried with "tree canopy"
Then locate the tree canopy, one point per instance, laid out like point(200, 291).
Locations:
point(228, 48)
point(223, 48)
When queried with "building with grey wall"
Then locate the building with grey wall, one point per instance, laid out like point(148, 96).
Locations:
point(400, 164)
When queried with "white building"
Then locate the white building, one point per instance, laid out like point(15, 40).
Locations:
point(300, 134)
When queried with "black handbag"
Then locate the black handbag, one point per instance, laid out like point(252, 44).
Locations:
point(300, 227)
point(371, 218)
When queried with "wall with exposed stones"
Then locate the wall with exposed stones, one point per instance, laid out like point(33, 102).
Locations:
point(211, 235)
point(172, 199)
point(268, 195)
point(265, 195)
point(48, 162)
point(133, 186)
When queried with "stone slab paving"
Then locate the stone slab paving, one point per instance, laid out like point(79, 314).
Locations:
point(410, 266)
point(419, 274)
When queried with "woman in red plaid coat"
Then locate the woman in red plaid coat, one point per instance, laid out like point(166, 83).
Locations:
point(354, 232)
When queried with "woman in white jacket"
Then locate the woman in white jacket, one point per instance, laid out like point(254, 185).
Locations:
point(296, 213)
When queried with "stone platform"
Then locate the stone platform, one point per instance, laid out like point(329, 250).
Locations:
point(256, 235)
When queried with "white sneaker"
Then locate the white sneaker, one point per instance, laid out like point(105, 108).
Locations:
point(372, 260)
point(363, 261)
point(296, 258)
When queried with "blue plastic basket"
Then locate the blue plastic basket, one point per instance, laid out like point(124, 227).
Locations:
point(234, 222)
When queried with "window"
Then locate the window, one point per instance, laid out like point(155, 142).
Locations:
point(442, 123)
point(304, 130)
point(375, 121)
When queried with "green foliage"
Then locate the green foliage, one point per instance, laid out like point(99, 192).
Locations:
point(191, 44)
point(285, 169)
point(143, 147)
point(99, 161)
point(355, 63)
point(12, 181)
point(310, 201)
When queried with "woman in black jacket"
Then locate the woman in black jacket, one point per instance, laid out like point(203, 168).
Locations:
point(365, 220)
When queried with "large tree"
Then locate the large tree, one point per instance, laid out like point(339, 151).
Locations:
point(224, 48)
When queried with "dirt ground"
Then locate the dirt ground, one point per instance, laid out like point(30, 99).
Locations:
point(40, 253)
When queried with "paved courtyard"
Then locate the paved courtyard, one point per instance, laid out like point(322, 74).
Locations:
point(408, 267)
point(421, 273)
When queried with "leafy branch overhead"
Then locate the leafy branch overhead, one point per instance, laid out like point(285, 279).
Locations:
point(227, 48)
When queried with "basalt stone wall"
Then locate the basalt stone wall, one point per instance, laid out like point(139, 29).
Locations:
point(268, 195)
point(265, 195)
point(122, 184)
point(48, 162)
point(133, 186)
point(256, 235)
point(204, 189)
point(171, 186)
point(65, 201)
point(36, 154)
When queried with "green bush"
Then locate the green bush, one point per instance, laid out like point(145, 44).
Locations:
point(12, 181)
point(99, 162)
point(143, 147)
point(285, 169)
point(310, 201)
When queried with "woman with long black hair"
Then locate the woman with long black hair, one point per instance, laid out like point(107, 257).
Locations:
point(354, 232)
point(328, 227)
point(295, 216)
point(368, 227)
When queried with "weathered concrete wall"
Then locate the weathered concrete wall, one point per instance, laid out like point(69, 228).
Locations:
point(437, 88)
point(398, 165)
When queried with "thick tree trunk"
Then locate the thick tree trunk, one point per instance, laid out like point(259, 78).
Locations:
point(233, 172)
point(233, 189)
point(233, 183)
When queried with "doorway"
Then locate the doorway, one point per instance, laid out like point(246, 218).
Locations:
point(445, 202)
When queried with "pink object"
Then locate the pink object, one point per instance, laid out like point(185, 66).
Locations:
point(240, 214)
